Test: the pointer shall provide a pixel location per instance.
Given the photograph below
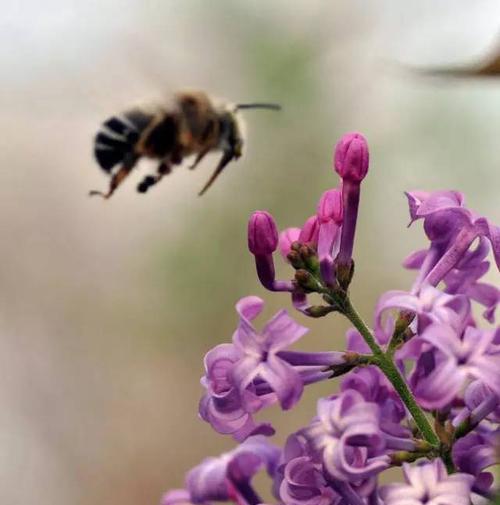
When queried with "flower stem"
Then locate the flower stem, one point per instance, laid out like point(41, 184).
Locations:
point(385, 363)
point(394, 376)
point(350, 312)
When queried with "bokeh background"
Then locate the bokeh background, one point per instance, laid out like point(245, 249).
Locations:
point(107, 308)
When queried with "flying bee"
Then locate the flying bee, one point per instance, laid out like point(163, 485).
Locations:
point(191, 125)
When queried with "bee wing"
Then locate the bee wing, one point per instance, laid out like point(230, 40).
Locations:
point(226, 158)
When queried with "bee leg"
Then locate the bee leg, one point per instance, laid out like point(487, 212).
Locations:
point(117, 178)
point(198, 158)
point(164, 168)
point(226, 158)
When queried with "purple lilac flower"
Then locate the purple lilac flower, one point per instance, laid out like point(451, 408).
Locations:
point(296, 446)
point(374, 387)
point(228, 477)
point(476, 452)
point(451, 229)
point(351, 162)
point(305, 484)
point(348, 438)
point(264, 359)
point(431, 306)
point(477, 395)
point(464, 277)
point(222, 405)
point(429, 484)
point(301, 479)
point(256, 371)
point(442, 370)
point(259, 352)
point(481, 403)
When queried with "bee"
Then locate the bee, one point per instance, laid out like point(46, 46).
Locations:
point(192, 124)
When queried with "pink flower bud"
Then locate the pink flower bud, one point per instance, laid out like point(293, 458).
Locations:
point(287, 237)
point(351, 157)
point(310, 230)
point(262, 233)
point(330, 206)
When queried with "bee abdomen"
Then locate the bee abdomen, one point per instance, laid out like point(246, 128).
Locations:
point(117, 137)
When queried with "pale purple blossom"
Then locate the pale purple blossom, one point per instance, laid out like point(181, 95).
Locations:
point(374, 387)
point(476, 452)
point(465, 277)
point(264, 357)
point(257, 370)
point(301, 478)
point(305, 484)
point(451, 228)
point(222, 405)
point(259, 351)
point(228, 477)
point(429, 484)
point(477, 395)
point(430, 305)
point(448, 359)
point(346, 433)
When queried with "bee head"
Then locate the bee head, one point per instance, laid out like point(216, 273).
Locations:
point(232, 126)
point(231, 135)
point(231, 132)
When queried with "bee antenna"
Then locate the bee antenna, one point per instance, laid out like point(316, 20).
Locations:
point(269, 106)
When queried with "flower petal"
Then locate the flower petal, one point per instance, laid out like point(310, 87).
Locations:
point(284, 381)
point(493, 233)
point(249, 307)
point(282, 331)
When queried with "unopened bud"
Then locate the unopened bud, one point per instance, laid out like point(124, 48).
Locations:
point(330, 206)
point(423, 445)
point(404, 320)
point(352, 157)
point(306, 281)
point(344, 274)
point(310, 230)
point(286, 239)
point(319, 310)
point(306, 251)
point(262, 233)
point(294, 258)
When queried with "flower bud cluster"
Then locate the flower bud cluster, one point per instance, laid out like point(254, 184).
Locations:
point(328, 235)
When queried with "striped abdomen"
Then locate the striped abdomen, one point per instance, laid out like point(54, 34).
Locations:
point(117, 137)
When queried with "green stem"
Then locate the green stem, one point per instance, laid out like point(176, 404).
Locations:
point(390, 370)
point(392, 373)
point(350, 312)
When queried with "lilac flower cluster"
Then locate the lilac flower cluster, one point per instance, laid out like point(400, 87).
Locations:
point(420, 390)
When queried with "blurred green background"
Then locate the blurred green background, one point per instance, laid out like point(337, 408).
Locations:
point(107, 308)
